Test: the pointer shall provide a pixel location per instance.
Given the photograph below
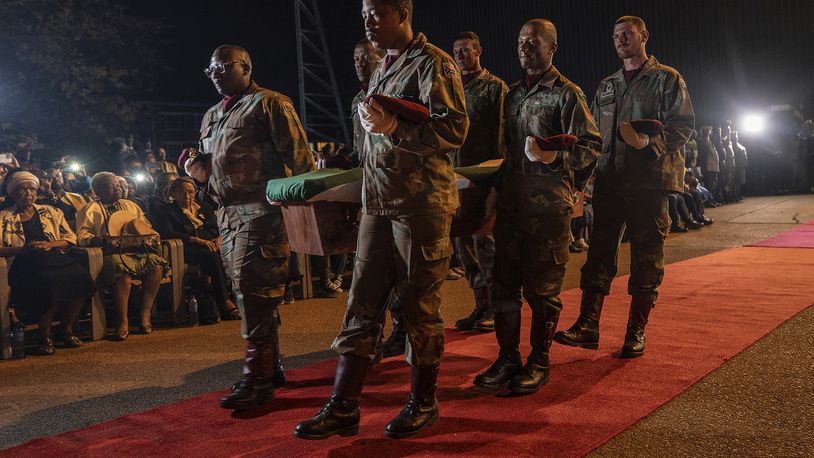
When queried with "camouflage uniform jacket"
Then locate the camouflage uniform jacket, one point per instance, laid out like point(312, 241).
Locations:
point(553, 106)
point(657, 92)
point(410, 172)
point(255, 140)
point(708, 156)
point(358, 131)
point(691, 153)
point(484, 94)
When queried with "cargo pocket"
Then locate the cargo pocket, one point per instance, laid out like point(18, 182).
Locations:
point(437, 250)
point(560, 255)
point(275, 250)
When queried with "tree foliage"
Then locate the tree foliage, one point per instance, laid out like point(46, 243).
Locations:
point(73, 69)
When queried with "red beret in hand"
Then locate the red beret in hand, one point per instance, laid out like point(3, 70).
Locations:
point(408, 110)
point(649, 127)
point(186, 154)
point(556, 143)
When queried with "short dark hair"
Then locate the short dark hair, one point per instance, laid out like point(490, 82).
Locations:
point(398, 4)
point(366, 42)
point(229, 50)
point(635, 20)
point(469, 36)
point(546, 26)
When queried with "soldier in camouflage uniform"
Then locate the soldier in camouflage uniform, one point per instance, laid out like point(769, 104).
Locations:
point(409, 197)
point(253, 135)
point(708, 161)
point(633, 178)
point(484, 94)
point(366, 58)
point(534, 210)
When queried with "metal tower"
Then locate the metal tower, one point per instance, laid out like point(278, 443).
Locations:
point(320, 109)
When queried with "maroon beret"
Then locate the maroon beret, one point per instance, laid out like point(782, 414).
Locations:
point(649, 127)
point(186, 154)
point(556, 143)
point(408, 110)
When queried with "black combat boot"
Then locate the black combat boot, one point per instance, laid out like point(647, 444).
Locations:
point(421, 409)
point(256, 386)
point(584, 333)
point(508, 363)
point(340, 415)
point(534, 374)
point(482, 317)
point(637, 319)
point(397, 342)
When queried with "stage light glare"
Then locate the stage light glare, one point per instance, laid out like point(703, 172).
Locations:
point(140, 177)
point(753, 123)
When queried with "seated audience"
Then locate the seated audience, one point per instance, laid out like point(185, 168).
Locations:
point(120, 269)
point(194, 223)
point(43, 278)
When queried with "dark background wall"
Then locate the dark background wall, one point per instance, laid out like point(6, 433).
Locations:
point(734, 55)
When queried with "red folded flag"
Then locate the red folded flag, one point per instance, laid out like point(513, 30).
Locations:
point(410, 111)
point(556, 143)
point(186, 154)
point(649, 127)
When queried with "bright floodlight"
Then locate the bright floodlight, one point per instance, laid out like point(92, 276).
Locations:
point(140, 177)
point(75, 167)
point(753, 123)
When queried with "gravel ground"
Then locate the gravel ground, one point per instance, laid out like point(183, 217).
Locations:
point(760, 403)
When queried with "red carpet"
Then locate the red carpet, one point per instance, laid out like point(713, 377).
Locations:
point(710, 309)
point(800, 237)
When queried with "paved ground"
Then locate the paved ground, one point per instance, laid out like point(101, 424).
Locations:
point(761, 403)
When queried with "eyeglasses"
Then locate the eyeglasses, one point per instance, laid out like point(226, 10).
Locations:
point(220, 69)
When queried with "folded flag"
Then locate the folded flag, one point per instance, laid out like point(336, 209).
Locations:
point(186, 154)
point(649, 127)
point(411, 111)
point(556, 143)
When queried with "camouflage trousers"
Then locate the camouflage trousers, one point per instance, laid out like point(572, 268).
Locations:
point(255, 257)
point(476, 254)
point(647, 220)
point(412, 253)
point(529, 256)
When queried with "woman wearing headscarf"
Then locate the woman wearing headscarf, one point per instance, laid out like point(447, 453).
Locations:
point(43, 278)
point(194, 223)
point(120, 269)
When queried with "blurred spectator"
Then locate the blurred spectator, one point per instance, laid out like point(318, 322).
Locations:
point(159, 196)
point(165, 165)
point(43, 278)
point(194, 223)
point(806, 154)
point(120, 270)
point(45, 196)
point(133, 192)
point(741, 163)
point(708, 162)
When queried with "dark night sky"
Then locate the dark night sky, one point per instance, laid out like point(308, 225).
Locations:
point(734, 54)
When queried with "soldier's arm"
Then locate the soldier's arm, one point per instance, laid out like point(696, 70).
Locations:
point(289, 137)
point(677, 115)
point(500, 99)
point(445, 130)
point(576, 120)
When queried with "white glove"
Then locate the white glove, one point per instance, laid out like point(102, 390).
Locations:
point(197, 170)
point(633, 138)
point(376, 119)
point(535, 154)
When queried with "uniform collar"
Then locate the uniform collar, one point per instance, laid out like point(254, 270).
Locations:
point(649, 69)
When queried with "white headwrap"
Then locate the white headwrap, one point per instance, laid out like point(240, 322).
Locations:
point(17, 179)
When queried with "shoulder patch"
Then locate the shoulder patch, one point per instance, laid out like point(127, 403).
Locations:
point(287, 106)
point(450, 70)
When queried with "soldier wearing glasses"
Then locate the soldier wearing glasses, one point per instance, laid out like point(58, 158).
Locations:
point(249, 137)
